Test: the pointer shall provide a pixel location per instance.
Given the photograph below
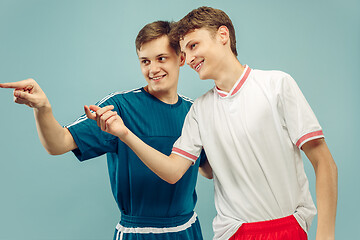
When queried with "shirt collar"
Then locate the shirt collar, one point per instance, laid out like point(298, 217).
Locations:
point(237, 85)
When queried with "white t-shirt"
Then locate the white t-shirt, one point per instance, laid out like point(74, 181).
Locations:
point(252, 138)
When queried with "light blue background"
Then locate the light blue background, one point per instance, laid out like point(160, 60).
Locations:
point(79, 51)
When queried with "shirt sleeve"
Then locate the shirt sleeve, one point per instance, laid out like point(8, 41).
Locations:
point(90, 139)
point(297, 115)
point(189, 144)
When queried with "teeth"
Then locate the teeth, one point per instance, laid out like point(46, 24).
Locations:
point(198, 66)
point(157, 78)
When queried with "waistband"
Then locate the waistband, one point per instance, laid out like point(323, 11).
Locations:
point(135, 224)
point(270, 225)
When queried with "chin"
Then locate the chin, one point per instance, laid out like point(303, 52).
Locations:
point(203, 77)
point(159, 88)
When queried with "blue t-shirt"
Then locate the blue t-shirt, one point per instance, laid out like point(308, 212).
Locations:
point(137, 190)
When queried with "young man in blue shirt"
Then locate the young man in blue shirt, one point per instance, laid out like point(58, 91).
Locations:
point(150, 207)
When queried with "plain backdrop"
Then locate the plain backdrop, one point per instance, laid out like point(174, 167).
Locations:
point(81, 50)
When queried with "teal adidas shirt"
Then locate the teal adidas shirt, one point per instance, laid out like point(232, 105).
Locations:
point(137, 190)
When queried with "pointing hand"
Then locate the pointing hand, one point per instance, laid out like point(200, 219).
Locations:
point(28, 92)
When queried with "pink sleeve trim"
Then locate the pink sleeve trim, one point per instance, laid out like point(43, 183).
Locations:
point(185, 154)
point(313, 135)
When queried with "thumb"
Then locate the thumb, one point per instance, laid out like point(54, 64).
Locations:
point(89, 114)
point(23, 95)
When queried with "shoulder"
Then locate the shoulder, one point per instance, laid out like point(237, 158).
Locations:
point(273, 75)
point(271, 79)
point(186, 99)
point(118, 96)
point(205, 98)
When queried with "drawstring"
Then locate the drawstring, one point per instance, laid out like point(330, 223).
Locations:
point(121, 235)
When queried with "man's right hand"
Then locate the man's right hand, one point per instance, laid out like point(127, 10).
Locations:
point(55, 139)
point(109, 121)
point(28, 92)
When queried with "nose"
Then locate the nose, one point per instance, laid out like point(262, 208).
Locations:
point(189, 59)
point(154, 68)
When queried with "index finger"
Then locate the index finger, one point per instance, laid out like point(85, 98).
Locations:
point(94, 108)
point(89, 114)
point(17, 85)
point(100, 111)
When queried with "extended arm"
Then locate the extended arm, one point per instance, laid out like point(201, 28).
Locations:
point(169, 168)
point(56, 139)
point(326, 186)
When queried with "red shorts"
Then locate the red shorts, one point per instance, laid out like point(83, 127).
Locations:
point(282, 228)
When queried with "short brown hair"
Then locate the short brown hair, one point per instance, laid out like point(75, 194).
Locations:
point(154, 31)
point(204, 17)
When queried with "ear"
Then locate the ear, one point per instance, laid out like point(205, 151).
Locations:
point(182, 58)
point(223, 34)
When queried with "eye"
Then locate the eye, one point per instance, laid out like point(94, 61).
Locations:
point(192, 46)
point(145, 62)
point(162, 59)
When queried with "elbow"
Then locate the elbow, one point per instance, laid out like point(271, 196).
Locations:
point(174, 178)
point(206, 171)
point(334, 169)
point(209, 176)
point(172, 182)
point(53, 152)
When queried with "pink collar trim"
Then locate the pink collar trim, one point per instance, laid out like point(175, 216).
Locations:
point(237, 85)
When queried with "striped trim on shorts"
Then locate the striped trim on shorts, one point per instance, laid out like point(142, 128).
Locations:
point(166, 225)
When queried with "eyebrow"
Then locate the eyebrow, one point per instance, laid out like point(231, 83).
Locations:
point(189, 42)
point(159, 55)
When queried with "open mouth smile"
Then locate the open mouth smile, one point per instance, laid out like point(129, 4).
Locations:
point(198, 66)
point(156, 79)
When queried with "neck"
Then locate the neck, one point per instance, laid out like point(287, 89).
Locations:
point(168, 97)
point(231, 71)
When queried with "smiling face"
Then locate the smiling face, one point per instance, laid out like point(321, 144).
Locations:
point(160, 65)
point(204, 52)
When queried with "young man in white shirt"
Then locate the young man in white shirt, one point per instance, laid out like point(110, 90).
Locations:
point(252, 126)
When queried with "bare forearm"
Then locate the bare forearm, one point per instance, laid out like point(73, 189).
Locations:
point(326, 197)
point(55, 139)
point(326, 186)
point(170, 169)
